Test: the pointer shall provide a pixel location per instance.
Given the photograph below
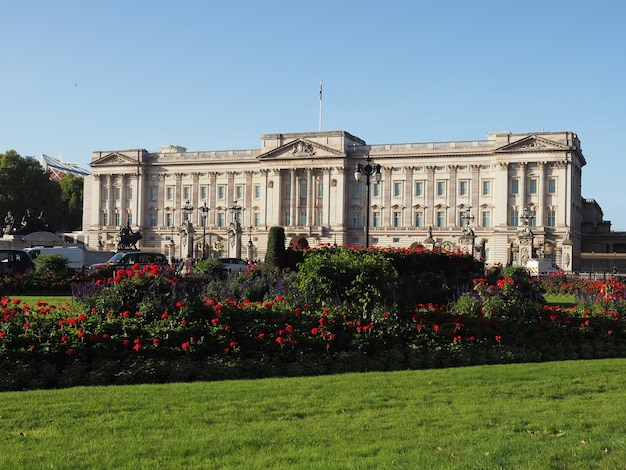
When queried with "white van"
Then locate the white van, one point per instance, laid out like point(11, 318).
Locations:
point(74, 255)
point(541, 267)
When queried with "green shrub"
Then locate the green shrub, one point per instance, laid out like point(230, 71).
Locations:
point(52, 263)
point(212, 268)
point(275, 255)
point(346, 276)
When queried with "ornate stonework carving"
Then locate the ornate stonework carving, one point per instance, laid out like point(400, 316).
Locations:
point(303, 149)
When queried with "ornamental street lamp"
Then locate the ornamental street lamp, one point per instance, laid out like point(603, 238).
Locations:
point(205, 211)
point(187, 210)
point(368, 170)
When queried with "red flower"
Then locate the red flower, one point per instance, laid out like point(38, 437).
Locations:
point(185, 346)
point(155, 341)
point(164, 316)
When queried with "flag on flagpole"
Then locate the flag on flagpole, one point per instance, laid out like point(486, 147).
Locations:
point(320, 90)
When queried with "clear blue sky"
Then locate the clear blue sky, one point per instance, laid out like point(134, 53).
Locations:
point(80, 76)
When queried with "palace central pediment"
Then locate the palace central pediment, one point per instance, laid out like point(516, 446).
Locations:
point(301, 148)
point(532, 143)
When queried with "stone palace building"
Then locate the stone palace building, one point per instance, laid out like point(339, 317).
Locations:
point(506, 199)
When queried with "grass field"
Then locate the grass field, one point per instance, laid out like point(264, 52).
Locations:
point(565, 300)
point(527, 416)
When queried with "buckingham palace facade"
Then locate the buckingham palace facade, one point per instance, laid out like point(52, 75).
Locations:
point(507, 198)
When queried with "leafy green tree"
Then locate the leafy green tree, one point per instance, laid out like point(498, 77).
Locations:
point(72, 201)
point(26, 185)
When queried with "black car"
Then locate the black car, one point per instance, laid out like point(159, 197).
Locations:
point(128, 259)
point(15, 262)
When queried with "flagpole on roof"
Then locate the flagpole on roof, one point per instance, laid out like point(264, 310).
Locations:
point(320, 105)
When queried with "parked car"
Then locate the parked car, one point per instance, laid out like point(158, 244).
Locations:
point(127, 259)
point(74, 255)
point(234, 265)
point(15, 262)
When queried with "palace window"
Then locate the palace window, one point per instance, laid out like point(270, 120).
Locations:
point(221, 219)
point(486, 218)
point(117, 192)
point(129, 193)
point(463, 188)
point(257, 219)
point(153, 219)
point(154, 192)
point(356, 219)
point(287, 189)
point(376, 219)
point(239, 192)
point(303, 190)
point(187, 193)
point(532, 186)
point(320, 189)
point(376, 190)
point(551, 186)
point(221, 192)
point(441, 188)
point(287, 218)
point(397, 219)
point(419, 188)
point(257, 191)
point(169, 219)
point(441, 219)
point(515, 186)
point(397, 189)
point(169, 193)
point(419, 219)
point(117, 219)
point(514, 218)
point(551, 218)
point(486, 188)
point(204, 192)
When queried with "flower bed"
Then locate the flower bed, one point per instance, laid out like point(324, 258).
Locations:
point(145, 325)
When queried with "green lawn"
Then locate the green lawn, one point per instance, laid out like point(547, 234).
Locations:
point(527, 416)
point(565, 300)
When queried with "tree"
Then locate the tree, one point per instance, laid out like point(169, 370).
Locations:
point(72, 201)
point(275, 256)
point(26, 185)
